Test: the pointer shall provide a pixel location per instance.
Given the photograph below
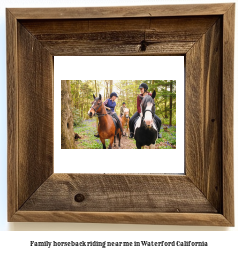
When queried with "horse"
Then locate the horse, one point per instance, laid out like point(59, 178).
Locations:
point(106, 127)
point(146, 131)
point(125, 120)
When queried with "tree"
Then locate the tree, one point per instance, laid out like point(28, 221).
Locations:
point(111, 86)
point(67, 131)
point(171, 103)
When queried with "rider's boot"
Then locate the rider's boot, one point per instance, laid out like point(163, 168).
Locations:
point(96, 135)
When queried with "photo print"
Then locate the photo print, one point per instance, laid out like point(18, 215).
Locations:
point(118, 114)
point(91, 89)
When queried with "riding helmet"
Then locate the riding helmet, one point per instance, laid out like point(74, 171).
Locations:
point(143, 85)
point(113, 94)
point(123, 103)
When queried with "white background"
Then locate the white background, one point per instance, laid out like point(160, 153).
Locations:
point(119, 68)
point(220, 241)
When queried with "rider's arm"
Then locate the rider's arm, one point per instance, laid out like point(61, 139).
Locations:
point(138, 104)
point(105, 103)
point(121, 110)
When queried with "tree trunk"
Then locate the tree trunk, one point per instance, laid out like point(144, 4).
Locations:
point(111, 86)
point(96, 90)
point(170, 110)
point(107, 90)
point(67, 131)
point(165, 101)
point(97, 94)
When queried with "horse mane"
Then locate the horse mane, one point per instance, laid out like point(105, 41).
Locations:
point(145, 100)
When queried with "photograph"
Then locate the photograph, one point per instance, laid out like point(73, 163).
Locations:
point(118, 114)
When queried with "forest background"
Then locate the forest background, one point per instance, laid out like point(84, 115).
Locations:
point(127, 90)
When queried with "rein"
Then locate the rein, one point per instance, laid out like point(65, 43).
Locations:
point(100, 115)
point(143, 116)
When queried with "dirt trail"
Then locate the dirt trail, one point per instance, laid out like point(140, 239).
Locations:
point(126, 143)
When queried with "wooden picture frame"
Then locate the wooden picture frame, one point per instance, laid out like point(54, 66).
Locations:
point(204, 34)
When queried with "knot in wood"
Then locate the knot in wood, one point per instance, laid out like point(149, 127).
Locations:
point(143, 45)
point(79, 198)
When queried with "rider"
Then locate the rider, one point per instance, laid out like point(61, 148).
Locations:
point(122, 109)
point(110, 105)
point(143, 92)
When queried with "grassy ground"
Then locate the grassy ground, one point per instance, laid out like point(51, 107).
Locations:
point(168, 140)
point(86, 132)
point(87, 141)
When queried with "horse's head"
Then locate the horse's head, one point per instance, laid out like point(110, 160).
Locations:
point(126, 112)
point(148, 109)
point(96, 106)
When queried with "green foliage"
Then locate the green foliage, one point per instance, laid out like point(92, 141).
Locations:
point(82, 96)
point(168, 137)
point(78, 120)
point(87, 132)
point(165, 101)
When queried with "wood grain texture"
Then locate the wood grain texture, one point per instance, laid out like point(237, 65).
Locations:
point(121, 11)
point(189, 26)
point(71, 48)
point(227, 113)
point(140, 193)
point(204, 113)
point(35, 114)
point(12, 115)
point(174, 36)
point(192, 219)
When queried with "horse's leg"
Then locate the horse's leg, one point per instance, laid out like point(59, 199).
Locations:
point(138, 145)
point(115, 140)
point(111, 142)
point(103, 143)
point(119, 138)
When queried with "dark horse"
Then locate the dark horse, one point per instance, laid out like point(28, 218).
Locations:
point(146, 131)
point(106, 127)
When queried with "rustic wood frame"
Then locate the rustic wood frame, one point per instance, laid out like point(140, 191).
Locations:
point(204, 34)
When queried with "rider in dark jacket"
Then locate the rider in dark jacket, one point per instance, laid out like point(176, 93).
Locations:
point(143, 89)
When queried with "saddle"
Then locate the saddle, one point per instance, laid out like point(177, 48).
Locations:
point(113, 119)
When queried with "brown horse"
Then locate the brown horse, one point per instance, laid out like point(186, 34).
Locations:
point(106, 127)
point(125, 120)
